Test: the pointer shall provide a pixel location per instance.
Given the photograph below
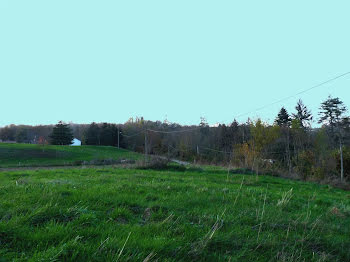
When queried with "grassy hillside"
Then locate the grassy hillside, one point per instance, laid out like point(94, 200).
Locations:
point(146, 215)
point(13, 155)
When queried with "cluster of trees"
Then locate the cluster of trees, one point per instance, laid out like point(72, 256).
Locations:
point(103, 134)
point(289, 145)
point(35, 134)
point(62, 134)
point(315, 152)
point(23, 133)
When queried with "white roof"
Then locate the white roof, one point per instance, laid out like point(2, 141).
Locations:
point(76, 142)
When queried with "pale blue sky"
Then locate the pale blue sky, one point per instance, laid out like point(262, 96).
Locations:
point(86, 61)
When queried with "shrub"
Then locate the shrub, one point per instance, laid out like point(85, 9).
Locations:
point(101, 162)
point(305, 164)
point(154, 163)
point(247, 171)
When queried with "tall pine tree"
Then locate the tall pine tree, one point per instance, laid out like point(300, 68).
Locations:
point(332, 115)
point(303, 114)
point(61, 134)
point(283, 118)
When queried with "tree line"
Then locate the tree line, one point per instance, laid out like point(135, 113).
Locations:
point(288, 146)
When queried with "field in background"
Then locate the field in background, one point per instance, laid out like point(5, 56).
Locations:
point(17, 155)
point(104, 214)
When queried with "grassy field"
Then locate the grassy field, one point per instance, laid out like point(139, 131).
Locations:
point(104, 214)
point(17, 155)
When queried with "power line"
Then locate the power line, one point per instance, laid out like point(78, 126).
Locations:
point(128, 136)
point(215, 150)
point(291, 96)
point(200, 147)
point(163, 132)
point(176, 131)
point(181, 150)
point(258, 109)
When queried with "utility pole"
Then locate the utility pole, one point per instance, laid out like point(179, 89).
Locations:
point(168, 151)
point(145, 145)
point(341, 153)
point(341, 161)
point(118, 137)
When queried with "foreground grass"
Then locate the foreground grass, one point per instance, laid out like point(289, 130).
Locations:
point(146, 215)
point(17, 155)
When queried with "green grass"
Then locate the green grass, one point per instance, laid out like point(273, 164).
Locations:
point(104, 214)
point(16, 155)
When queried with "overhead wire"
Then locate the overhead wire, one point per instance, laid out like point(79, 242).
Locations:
point(291, 96)
point(128, 136)
point(240, 115)
point(176, 131)
point(258, 109)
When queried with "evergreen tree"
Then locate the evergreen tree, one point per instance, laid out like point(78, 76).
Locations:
point(108, 134)
point(61, 134)
point(105, 134)
point(332, 114)
point(283, 118)
point(92, 135)
point(303, 115)
point(346, 126)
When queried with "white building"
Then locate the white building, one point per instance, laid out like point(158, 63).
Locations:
point(76, 142)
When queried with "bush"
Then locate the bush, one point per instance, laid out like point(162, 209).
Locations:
point(154, 163)
point(246, 171)
point(101, 162)
point(318, 173)
point(309, 168)
point(305, 164)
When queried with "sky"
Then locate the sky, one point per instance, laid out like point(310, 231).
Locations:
point(106, 61)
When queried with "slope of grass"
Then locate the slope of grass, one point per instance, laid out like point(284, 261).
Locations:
point(13, 155)
point(105, 214)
